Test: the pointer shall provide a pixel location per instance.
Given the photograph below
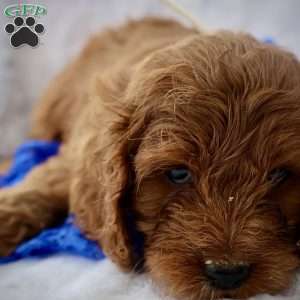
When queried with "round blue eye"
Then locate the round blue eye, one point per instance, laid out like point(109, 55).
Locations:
point(179, 175)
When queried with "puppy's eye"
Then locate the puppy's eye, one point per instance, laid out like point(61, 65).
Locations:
point(179, 175)
point(278, 176)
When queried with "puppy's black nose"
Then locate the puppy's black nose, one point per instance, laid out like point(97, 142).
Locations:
point(226, 276)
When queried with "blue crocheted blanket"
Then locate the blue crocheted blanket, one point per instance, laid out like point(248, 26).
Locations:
point(65, 238)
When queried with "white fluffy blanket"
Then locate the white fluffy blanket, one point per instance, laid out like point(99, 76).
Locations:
point(73, 278)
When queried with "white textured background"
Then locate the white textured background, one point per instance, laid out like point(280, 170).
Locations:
point(24, 72)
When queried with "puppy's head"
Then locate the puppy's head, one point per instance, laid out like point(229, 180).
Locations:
point(204, 164)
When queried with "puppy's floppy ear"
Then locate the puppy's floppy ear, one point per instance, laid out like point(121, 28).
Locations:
point(100, 193)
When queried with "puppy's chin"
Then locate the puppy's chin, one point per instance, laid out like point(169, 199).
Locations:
point(181, 274)
point(176, 261)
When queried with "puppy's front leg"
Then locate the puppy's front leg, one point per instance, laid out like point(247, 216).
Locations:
point(37, 202)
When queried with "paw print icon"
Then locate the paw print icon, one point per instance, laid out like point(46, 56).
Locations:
point(24, 31)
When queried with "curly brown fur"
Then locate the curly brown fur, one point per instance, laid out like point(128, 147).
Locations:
point(151, 96)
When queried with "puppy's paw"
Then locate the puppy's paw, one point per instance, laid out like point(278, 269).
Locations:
point(12, 223)
point(20, 219)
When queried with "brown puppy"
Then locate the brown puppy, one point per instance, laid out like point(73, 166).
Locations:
point(181, 152)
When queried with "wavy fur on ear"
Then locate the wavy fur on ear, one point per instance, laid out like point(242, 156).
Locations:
point(101, 177)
